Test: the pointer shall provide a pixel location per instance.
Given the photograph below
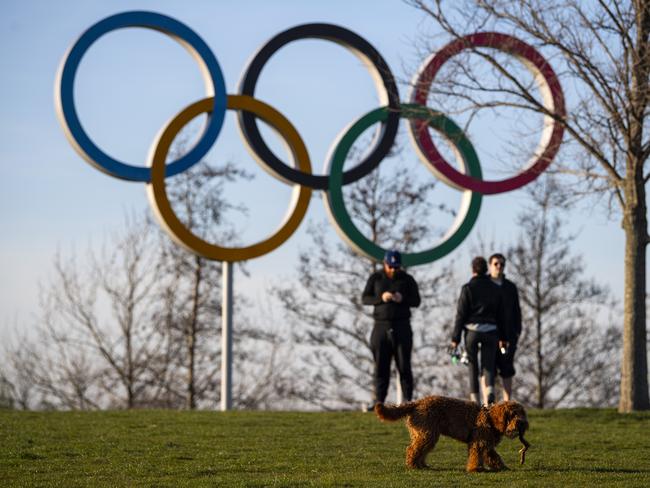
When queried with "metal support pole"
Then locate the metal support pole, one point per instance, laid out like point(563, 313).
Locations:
point(226, 337)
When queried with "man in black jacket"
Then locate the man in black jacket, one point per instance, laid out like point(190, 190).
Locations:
point(505, 360)
point(479, 314)
point(392, 291)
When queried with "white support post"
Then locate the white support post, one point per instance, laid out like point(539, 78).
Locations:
point(226, 337)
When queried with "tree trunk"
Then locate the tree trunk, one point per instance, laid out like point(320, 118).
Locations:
point(540, 365)
point(190, 399)
point(634, 363)
point(130, 398)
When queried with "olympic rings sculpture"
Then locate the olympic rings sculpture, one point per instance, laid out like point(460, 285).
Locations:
point(299, 174)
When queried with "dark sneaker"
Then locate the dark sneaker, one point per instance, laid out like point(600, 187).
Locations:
point(490, 399)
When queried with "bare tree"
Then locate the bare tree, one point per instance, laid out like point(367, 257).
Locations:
point(17, 376)
point(92, 346)
point(7, 394)
point(122, 280)
point(566, 356)
point(601, 51)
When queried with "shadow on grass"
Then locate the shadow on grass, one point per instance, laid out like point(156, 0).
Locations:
point(205, 473)
point(595, 469)
point(598, 469)
point(30, 456)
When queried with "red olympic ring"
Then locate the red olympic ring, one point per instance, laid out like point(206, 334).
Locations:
point(553, 101)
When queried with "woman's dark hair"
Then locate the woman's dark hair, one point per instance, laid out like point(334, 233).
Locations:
point(479, 265)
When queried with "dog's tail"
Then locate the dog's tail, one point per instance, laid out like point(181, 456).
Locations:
point(394, 412)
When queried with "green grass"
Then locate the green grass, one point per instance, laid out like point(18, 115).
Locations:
point(253, 449)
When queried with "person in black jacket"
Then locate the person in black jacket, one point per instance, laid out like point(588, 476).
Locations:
point(512, 311)
point(479, 314)
point(393, 292)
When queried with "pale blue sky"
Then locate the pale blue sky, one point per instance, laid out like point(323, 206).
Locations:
point(132, 81)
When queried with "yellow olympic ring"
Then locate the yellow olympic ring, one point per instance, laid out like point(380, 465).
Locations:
point(157, 193)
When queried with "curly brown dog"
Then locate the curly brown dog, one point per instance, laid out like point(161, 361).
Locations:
point(481, 428)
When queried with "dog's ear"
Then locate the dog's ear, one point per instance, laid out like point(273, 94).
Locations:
point(515, 418)
point(521, 418)
point(499, 416)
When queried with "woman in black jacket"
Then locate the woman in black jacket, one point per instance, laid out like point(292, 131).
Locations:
point(479, 314)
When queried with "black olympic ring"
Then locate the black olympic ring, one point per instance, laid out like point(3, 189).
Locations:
point(389, 96)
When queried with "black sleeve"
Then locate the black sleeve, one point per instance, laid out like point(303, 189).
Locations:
point(462, 309)
point(413, 298)
point(501, 320)
point(369, 297)
point(517, 317)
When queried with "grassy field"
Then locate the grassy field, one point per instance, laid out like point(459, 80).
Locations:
point(174, 449)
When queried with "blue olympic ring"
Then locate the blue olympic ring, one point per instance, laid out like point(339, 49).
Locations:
point(64, 93)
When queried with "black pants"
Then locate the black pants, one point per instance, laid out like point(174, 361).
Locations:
point(388, 341)
point(506, 362)
point(489, 342)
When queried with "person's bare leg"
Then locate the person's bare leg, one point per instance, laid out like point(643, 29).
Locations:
point(507, 388)
point(486, 389)
point(483, 390)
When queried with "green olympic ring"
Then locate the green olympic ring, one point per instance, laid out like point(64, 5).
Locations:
point(471, 202)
